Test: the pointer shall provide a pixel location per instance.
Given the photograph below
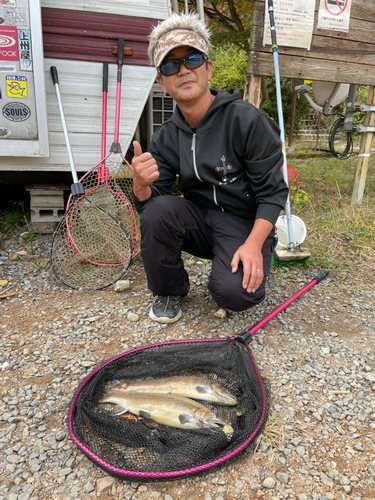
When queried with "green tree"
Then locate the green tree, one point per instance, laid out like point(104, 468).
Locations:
point(229, 67)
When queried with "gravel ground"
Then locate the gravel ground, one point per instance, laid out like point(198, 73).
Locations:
point(318, 355)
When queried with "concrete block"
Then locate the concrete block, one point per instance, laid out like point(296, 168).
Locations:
point(43, 227)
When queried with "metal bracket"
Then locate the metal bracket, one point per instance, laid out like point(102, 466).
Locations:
point(365, 128)
point(367, 107)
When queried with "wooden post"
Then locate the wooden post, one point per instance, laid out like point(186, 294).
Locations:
point(253, 96)
point(364, 152)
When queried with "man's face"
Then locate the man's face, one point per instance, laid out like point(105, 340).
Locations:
point(187, 85)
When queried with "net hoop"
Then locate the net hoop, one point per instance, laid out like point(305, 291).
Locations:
point(123, 473)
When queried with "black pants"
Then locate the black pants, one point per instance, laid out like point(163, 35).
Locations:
point(170, 224)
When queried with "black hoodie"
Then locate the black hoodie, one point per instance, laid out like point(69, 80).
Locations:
point(230, 161)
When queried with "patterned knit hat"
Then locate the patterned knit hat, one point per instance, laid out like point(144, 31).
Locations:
point(178, 31)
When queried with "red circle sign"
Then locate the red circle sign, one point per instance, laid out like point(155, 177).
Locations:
point(341, 9)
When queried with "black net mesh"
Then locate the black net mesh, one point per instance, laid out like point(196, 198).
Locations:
point(140, 448)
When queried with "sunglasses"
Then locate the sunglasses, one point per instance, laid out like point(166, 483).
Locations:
point(172, 66)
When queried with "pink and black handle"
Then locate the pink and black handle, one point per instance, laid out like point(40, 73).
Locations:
point(116, 148)
point(246, 336)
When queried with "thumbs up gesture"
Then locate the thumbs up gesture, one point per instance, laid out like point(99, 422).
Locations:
point(145, 172)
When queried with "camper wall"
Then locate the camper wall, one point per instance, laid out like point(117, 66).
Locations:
point(80, 78)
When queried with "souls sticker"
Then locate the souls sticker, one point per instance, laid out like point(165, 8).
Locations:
point(16, 86)
point(16, 111)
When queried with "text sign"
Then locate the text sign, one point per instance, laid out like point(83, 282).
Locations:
point(334, 15)
point(294, 22)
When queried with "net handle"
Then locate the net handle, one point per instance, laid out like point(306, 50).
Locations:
point(55, 79)
point(245, 336)
point(104, 112)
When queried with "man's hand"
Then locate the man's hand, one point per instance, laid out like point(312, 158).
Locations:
point(145, 172)
point(250, 254)
point(252, 262)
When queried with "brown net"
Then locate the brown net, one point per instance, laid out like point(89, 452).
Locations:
point(110, 185)
point(125, 447)
point(90, 249)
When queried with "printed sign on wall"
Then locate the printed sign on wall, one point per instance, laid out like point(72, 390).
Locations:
point(334, 15)
point(294, 22)
point(8, 43)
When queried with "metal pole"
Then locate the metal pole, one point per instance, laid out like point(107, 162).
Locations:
point(364, 153)
point(200, 9)
point(175, 6)
point(292, 116)
point(281, 118)
point(318, 130)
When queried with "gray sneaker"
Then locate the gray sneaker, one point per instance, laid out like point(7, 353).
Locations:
point(166, 309)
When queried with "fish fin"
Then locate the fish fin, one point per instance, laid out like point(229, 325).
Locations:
point(203, 389)
point(186, 418)
point(118, 410)
point(116, 384)
point(145, 413)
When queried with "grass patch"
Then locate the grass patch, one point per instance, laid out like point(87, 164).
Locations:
point(340, 235)
point(273, 432)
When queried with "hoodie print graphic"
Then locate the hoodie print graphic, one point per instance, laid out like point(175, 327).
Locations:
point(224, 169)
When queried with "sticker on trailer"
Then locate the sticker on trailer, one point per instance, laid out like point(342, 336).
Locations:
point(7, 68)
point(16, 111)
point(16, 86)
point(24, 45)
point(8, 43)
point(17, 17)
point(2, 20)
point(8, 3)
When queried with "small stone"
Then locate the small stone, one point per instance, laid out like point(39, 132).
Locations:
point(104, 484)
point(221, 314)
point(269, 483)
point(301, 496)
point(358, 447)
point(282, 477)
point(92, 319)
point(121, 286)
point(88, 487)
point(132, 316)
point(60, 435)
point(301, 450)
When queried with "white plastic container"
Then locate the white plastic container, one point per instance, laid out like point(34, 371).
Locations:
point(298, 229)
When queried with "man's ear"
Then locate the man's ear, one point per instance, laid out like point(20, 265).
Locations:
point(160, 80)
point(209, 69)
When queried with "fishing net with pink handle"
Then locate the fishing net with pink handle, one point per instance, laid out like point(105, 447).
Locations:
point(128, 448)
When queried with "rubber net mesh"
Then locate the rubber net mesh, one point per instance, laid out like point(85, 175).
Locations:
point(136, 446)
point(110, 186)
point(89, 249)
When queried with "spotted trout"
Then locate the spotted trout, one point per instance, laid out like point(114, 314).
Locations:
point(166, 409)
point(199, 388)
